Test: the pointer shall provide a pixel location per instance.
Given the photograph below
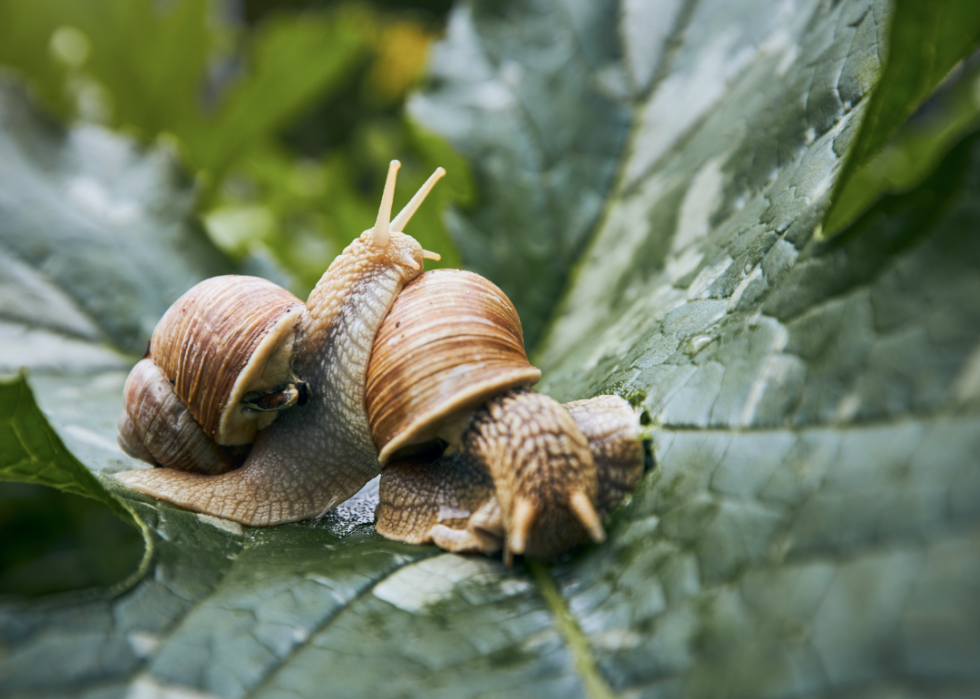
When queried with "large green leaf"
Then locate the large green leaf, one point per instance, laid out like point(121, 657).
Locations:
point(811, 527)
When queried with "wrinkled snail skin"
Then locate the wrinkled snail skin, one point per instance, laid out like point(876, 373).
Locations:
point(317, 455)
point(455, 502)
point(422, 501)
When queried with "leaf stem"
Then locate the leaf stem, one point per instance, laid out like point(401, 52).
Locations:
point(595, 685)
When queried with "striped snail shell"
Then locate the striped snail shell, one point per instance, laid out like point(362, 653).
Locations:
point(451, 340)
point(217, 371)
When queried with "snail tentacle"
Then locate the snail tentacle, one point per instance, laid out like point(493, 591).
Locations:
point(405, 215)
point(381, 232)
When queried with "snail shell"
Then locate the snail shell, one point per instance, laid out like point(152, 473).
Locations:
point(227, 338)
point(218, 370)
point(451, 340)
point(157, 427)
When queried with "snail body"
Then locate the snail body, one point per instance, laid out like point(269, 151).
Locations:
point(264, 410)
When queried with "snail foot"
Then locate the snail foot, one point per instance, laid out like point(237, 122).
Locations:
point(444, 500)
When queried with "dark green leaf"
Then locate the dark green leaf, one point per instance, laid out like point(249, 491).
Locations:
point(926, 41)
point(32, 453)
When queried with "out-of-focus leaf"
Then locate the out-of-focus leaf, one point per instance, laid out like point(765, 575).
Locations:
point(25, 36)
point(916, 150)
point(926, 41)
point(32, 453)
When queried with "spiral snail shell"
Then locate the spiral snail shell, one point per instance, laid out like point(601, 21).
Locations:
point(218, 370)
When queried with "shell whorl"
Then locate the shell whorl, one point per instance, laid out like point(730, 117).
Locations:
point(156, 427)
point(451, 340)
point(223, 338)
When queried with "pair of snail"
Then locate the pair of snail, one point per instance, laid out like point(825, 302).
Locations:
point(264, 410)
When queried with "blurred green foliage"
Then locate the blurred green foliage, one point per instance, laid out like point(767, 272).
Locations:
point(926, 41)
point(915, 152)
point(288, 119)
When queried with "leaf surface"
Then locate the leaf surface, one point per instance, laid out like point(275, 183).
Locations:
point(811, 526)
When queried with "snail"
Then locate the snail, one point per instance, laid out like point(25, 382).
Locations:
point(264, 410)
point(311, 457)
point(520, 472)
